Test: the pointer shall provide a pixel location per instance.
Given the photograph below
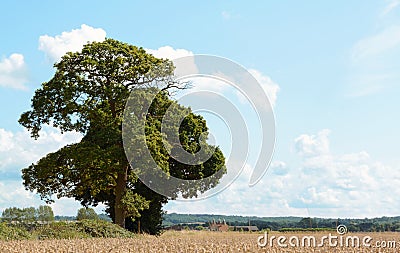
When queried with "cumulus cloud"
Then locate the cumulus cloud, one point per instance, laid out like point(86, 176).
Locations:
point(69, 207)
point(350, 184)
point(264, 199)
point(168, 52)
point(323, 184)
point(13, 73)
point(19, 149)
point(278, 168)
point(311, 145)
point(270, 87)
point(188, 66)
point(72, 41)
point(13, 193)
point(176, 55)
point(212, 84)
point(223, 88)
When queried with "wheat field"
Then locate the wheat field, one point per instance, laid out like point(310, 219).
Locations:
point(196, 241)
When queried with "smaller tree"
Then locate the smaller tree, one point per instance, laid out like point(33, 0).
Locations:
point(28, 214)
point(87, 213)
point(306, 223)
point(12, 214)
point(45, 213)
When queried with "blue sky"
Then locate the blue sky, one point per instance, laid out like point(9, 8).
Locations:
point(333, 67)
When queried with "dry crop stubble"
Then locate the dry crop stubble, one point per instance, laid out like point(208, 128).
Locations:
point(188, 241)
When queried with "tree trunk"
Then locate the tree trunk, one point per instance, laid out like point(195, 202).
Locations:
point(122, 178)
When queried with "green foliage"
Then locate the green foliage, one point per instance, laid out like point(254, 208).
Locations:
point(104, 217)
point(306, 223)
point(64, 218)
point(88, 94)
point(59, 230)
point(105, 229)
point(13, 233)
point(45, 213)
point(87, 213)
point(381, 224)
point(65, 230)
point(200, 228)
point(92, 85)
point(80, 229)
point(12, 214)
point(174, 218)
point(27, 215)
point(305, 229)
point(133, 203)
point(150, 221)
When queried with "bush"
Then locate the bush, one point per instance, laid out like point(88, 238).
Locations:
point(12, 233)
point(105, 229)
point(65, 230)
point(81, 229)
point(58, 230)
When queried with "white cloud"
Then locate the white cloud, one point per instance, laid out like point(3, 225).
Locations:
point(278, 168)
point(269, 86)
point(19, 149)
point(312, 145)
point(226, 91)
point(264, 199)
point(6, 142)
point(13, 72)
point(69, 207)
point(179, 57)
point(73, 41)
point(211, 84)
point(183, 66)
point(390, 7)
point(325, 198)
point(324, 184)
point(168, 52)
point(332, 184)
point(12, 193)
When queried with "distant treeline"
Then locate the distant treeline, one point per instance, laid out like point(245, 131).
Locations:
point(45, 214)
point(101, 216)
point(287, 223)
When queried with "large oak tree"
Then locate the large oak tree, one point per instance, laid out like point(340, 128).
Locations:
point(88, 94)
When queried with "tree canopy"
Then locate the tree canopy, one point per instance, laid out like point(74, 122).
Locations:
point(28, 214)
point(86, 213)
point(88, 94)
